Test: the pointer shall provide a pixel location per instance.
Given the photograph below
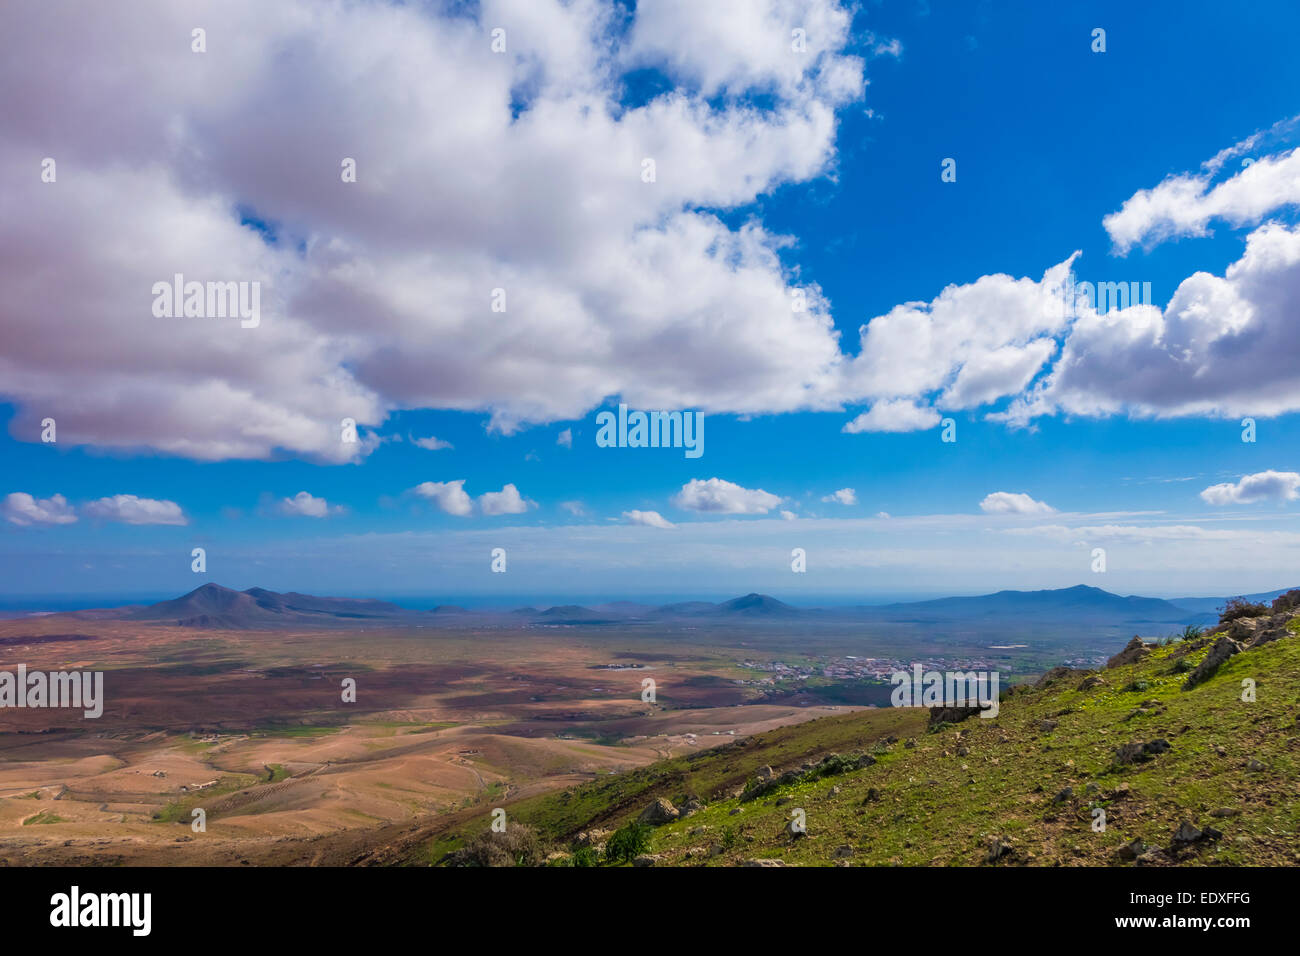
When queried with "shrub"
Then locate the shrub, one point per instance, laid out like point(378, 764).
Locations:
point(628, 842)
point(1240, 607)
point(1192, 631)
point(585, 856)
point(517, 845)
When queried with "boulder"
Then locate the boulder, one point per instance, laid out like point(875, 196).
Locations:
point(1088, 683)
point(1223, 648)
point(1134, 651)
point(659, 812)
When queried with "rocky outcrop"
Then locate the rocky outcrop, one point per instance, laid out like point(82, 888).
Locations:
point(659, 812)
point(1223, 648)
point(1134, 651)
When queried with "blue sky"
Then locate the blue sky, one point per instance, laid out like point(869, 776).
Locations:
point(1049, 138)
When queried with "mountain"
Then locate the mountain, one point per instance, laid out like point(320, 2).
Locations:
point(1080, 601)
point(214, 606)
point(1079, 607)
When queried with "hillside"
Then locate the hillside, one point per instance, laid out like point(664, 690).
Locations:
point(1020, 788)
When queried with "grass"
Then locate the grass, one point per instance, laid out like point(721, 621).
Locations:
point(942, 801)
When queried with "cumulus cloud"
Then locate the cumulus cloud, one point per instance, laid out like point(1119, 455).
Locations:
point(1224, 346)
point(788, 515)
point(845, 496)
point(520, 172)
point(1013, 503)
point(307, 505)
point(450, 496)
point(1275, 486)
point(724, 497)
point(1186, 204)
point(565, 438)
point(575, 508)
point(130, 509)
point(652, 519)
point(901, 415)
point(507, 501)
point(20, 508)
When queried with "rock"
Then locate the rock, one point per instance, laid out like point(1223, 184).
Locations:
point(1088, 683)
point(1053, 675)
point(951, 715)
point(782, 801)
point(646, 859)
point(732, 813)
point(866, 760)
point(764, 774)
point(1047, 726)
point(1223, 812)
point(693, 804)
point(1092, 789)
point(909, 743)
point(590, 838)
point(999, 847)
point(1140, 752)
point(1271, 629)
point(1223, 648)
point(763, 862)
point(1134, 651)
point(1152, 857)
point(1287, 602)
point(1064, 795)
point(1186, 833)
point(659, 812)
point(963, 751)
point(1254, 766)
point(843, 850)
point(1133, 849)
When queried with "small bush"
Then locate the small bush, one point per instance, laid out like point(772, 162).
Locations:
point(585, 856)
point(1240, 607)
point(628, 842)
point(729, 838)
point(1192, 631)
point(517, 845)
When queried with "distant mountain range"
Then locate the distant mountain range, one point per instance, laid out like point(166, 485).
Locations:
point(214, 606)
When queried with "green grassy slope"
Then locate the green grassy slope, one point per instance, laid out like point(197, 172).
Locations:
point(1232, 765)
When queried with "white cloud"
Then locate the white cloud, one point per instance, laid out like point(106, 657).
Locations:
point(507, 501)
point(1185, 205)
point(450, 496)
point(1276, 486)
point(520, 171)
point(575, 508)
point(130, 509)
point(901, 415)
point(882, 514)
point(1013, 503)
point(652, 519)
point(724, 497)
point(788, 515)
point(565, 438)
point(1223, 346)
point(309, 506)
point(845, 496)
point(20, 508)
point(431, 443)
